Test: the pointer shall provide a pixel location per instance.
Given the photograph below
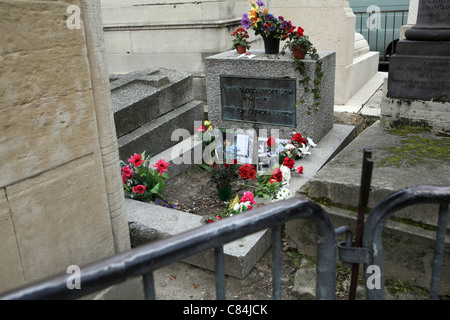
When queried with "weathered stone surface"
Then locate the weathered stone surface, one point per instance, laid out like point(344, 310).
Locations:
point(67, 224)
point(316, 123)
point(141, 96)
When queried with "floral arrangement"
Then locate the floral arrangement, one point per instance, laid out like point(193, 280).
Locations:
point(264, 23)
point(240, 36)
point(140, 180)
point(245, 203)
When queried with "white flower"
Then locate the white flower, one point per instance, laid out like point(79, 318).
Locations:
point(286, 172)
point(311, 142)
point(289, 146)
point(237, 207)
point(304, 149)
point(283, 193)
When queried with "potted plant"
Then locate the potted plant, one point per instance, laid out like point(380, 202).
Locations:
point(272, 29)
point(240, 40)
point(299, 44)
point(222, 175)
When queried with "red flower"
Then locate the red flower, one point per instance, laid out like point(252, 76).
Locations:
point(288, 162)
point(139, 189)
point(272, 180)
point(247, 171)
point(298, 138)
point(299, 170)
point(136, 160)
point(277, 175)
point(300, 31)
point(161, 166)
point(271, 142)
point(127, 172)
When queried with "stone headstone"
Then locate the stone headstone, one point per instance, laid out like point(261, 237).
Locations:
point(419, 73)
point(264, 93)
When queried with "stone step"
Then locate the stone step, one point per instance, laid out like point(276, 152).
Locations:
point(156, 135)
point(141, 96)
point(407, 249)
point(396, 166)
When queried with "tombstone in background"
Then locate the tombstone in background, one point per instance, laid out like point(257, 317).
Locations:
point(149, 105)
point(419, 74)
point(265, 93)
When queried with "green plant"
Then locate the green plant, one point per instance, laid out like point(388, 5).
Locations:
point(222, 175)
point(297, 39)
point(140, 181)
point(240, 38)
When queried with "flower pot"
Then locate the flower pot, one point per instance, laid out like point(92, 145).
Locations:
point(271, 45)
point(224, 193)
point(241, 49)
point(299, 52)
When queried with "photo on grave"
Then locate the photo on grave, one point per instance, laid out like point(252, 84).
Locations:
point(268, 157)
point(236, 144)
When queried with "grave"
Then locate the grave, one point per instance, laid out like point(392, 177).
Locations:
point(261, 92)
point(149, 105)
point(419, 74)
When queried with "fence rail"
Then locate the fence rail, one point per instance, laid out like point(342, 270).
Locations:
point(144, 260)
point(381, 30)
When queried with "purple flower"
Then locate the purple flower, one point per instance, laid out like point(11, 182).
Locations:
point(260, 3)
point(246, 23)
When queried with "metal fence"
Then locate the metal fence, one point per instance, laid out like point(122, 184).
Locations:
point(145, 259)
point(381, 30)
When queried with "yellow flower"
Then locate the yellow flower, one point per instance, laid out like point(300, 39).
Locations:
point(236, 200)
point(253, 15)
point(207, 123)
point(210, 128)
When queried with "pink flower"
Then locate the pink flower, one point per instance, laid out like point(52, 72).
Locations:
point(136, 159)
point(248, 196)
point(127, 172)
point(200, 129)
point(299, 170)
point(139, 189)
point(161, 166)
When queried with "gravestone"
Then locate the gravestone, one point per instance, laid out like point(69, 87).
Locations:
point(149, 105)
point(264, 93)
point(421, 70)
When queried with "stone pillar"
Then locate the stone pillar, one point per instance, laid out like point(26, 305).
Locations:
point(61, 200)
point(330, 25)
point(421, 67)
point(421, 71)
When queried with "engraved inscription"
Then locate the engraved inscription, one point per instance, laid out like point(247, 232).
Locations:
point(265, 101)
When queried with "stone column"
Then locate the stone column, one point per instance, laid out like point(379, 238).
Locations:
point(421, 67)
point(419, 73)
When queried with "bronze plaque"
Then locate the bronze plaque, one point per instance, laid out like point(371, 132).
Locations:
point(266, 101)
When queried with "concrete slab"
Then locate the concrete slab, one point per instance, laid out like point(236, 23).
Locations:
point(357, 103)
point(401, 160)
point(149, 222)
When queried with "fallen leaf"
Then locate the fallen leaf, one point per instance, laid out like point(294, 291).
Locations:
point(173, 276)
point(194, 286)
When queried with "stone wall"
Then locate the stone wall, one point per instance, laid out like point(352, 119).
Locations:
point(61, 199)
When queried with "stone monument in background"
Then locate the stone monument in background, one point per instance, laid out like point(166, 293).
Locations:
point(419, 74)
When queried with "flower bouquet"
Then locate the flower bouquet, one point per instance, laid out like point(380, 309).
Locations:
point(222, 176)
point(271, 28)
point(140, 181)
point(240, 40)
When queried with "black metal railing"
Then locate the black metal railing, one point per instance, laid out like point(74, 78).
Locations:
point(381, 30)
point(145, 259)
